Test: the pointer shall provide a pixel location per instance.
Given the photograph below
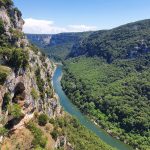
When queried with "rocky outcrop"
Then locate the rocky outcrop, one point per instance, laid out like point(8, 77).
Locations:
point(27, 90)
point(29, 87)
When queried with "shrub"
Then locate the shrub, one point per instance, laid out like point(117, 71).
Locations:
point(15, 110)
point(52, 121)
point(18, 59)
point(39, 139)
point(3, 131)
point(42, 120)
point(3, 77)
point(16, 34)
point(4, 71)
point(34, 94)
point(2, 29)
point(6, 3)
point(6, 100)
point(39, 81)
point(54, 134)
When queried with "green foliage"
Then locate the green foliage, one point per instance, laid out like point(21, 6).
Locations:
point(54, 134)
point(42, 119)
point(116, 95)
point(3, 77)
point(39, 140)
point(34, 48)
point(40, 82)
point(52, 120)
point(2, 29)
point(3, 37)
point(19, 14)
point(3, 131)
point(6, 3)
point(6, 100)
point(128, 41)
point(16, 34)
point(16, 57)
point(34, 94)
point(4, 72)
point(15, 110)
point(60, 45)
point(79, 136)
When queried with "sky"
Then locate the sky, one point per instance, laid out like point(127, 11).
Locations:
point(56, 16)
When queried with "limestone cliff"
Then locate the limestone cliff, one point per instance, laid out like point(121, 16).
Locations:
point(25, 74)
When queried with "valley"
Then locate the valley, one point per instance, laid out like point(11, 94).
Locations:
point(75, 90)
point(106, 75)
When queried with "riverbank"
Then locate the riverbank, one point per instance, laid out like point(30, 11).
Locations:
point(72, 110)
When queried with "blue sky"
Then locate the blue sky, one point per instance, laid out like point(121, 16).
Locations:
point(53, 16)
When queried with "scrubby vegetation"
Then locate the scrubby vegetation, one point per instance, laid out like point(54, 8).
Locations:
point(42, 119)
point(6, 101)
point(39, 140)
point(77, 135)
point(2, 29)
point(6, 2)
point(40, 82)
point(15, 111)
point(4, 72)
point(3, 131)
point(15, 58)
point(34, 94)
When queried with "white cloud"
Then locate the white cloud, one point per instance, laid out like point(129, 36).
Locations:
point(79, 28)
point(36, 26)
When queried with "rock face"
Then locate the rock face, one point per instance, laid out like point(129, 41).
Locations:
point(29, 88)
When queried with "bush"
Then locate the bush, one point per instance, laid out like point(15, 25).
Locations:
point(3, 77)
point(6, 100)
point(2, 29)
point(6, 3)
point(34, 94)
point(15, 110)
point(39, 81)
point(38, 140)
point(16, 34)
point(18, 59)
point(3, 131)
point(42, 120)
point(4, 72)
point(54, 134)
point(52, 121)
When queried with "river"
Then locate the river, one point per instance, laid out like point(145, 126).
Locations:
point(74, 111)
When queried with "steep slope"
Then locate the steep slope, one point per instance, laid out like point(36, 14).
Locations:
point(30, 113)
point(25, 76)
point(57, 46)
point(107, 77)
point(126, 41)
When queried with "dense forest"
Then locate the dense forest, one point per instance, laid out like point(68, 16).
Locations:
point(128, 41)
point(107, 77)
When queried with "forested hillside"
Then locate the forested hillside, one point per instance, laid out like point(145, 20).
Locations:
point(108, 77)
point(128, 41)
point(57, 46)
